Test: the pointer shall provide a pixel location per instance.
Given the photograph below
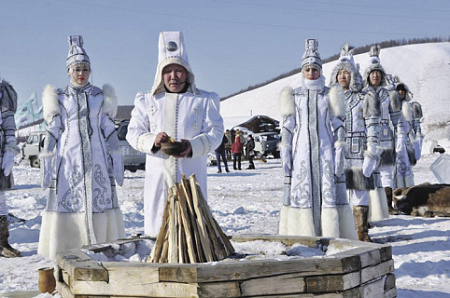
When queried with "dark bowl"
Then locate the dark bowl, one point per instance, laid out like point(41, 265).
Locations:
point(173, 148)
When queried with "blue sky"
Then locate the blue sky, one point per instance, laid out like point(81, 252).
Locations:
point(231, 44)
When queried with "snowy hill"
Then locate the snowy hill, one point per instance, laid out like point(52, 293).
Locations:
point(425, 68)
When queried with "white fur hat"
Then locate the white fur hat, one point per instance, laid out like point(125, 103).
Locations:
point(311, 55)
point(77, 54)
point(375, 64)
point(347, 63)
point(171, 51)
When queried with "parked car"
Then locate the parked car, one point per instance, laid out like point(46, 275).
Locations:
point(133, 160)
point(267, 143)
point(32, 148)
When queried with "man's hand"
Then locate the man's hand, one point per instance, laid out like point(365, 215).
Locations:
point(161, 137)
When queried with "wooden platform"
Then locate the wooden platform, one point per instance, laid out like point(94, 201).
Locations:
point(359, 269)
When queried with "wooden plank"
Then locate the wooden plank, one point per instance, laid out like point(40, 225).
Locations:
point(391, 293)
point(332, 283)
point(64, 290)
point(126, 273)
point(80, 266)
point(377, 271)
point(223, 289)
point(274, 285)
point(260, 268)
point(374, 288)
point(161, 289)
point(386, 253)
point(287, 240)
point(389, 282)
point(367, 257)
point(183, 273)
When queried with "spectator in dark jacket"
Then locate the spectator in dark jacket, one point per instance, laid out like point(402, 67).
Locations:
point(220, 152)
point(250, 153)
point(237, 149)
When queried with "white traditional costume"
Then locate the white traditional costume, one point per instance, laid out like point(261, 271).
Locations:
point(312, 146)
point(8, 149)
point(362, 124)
point(381, 197)
point(80, 161)
point(409, 138)
point(193, 115)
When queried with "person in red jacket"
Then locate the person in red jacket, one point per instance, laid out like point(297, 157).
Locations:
point(237, 149)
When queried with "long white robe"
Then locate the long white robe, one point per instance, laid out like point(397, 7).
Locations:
point(82, 206)
point(315, 208)
point(195, 116)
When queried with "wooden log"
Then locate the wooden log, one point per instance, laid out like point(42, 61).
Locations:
point(173, 231)
point(194, 226)
point(221, 243)
point(204, 239)
point(186, 219)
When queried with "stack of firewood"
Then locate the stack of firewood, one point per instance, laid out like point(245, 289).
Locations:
point(189, 233)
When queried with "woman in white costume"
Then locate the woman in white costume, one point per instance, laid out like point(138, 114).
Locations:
point(362, 124)
point(9, 149)
point(312, 155)
point(80, 161)
point(377, 82)
point(173, 108)
point(409, 137)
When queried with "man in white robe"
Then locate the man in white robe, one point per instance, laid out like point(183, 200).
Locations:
point(176, 109)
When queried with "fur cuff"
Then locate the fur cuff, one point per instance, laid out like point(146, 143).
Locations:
point(287, 104)
point(109, 101)
point(50, 103)
point(337, 100)
point(406, 111)
point(394, 101)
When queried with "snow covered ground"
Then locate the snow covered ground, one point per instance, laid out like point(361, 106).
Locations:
point(243, 202)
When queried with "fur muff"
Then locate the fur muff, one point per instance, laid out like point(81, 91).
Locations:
point(417, 110)
point(372, 105)
point(109, 101)
point(50, 103)
point(337, 101)
point(355, 179)
point(406, 111)
point(387, 157)
point(394, 101)
point(287, 104)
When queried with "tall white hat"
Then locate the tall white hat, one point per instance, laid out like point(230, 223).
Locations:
point(171, 51)
point(311, 55)
point(77, 54)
